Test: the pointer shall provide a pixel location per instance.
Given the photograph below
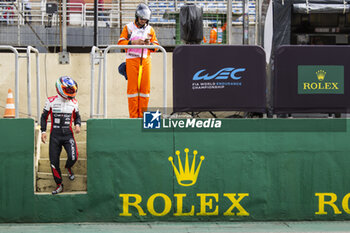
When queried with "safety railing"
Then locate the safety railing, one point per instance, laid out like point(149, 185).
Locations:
point(104, 60)
point(78, 14)
point(95, 59)
point(108, 14)
point(12, 49)
point(28, 50)
point(81, 14)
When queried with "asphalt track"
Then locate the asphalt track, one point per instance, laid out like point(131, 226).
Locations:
point(181, 227)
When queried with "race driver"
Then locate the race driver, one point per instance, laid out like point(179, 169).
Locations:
point(138, 32)
point(63, 110)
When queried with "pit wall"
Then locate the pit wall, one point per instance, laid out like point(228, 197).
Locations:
point(80, 70)
point(248, 170)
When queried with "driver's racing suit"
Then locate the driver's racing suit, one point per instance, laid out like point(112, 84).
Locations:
point(63, 112)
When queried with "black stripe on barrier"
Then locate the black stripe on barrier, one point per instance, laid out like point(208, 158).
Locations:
point(219, 78)
point(312, 79)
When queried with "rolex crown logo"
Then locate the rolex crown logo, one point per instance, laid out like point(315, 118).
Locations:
point(321, 74)
point(188, 176)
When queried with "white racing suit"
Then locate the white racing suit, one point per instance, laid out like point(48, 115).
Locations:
point(63, 112)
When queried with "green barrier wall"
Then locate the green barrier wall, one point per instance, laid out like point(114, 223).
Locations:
point(263, 169)
point(16, 168)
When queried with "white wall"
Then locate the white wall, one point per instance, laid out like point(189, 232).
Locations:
point(80, 70)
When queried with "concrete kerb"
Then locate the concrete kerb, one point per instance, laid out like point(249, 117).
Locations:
point(180, 227)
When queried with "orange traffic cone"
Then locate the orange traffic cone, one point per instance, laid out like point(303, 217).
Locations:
point(10, 106)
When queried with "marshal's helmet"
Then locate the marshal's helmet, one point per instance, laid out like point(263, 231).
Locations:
point(66, 87)
point(143, 12)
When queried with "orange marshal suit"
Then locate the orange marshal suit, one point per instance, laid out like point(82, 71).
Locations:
point(138, 100)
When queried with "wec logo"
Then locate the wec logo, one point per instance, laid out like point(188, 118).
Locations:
point(222, 74)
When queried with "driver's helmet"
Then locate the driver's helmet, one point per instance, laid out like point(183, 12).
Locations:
point(66, 87)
